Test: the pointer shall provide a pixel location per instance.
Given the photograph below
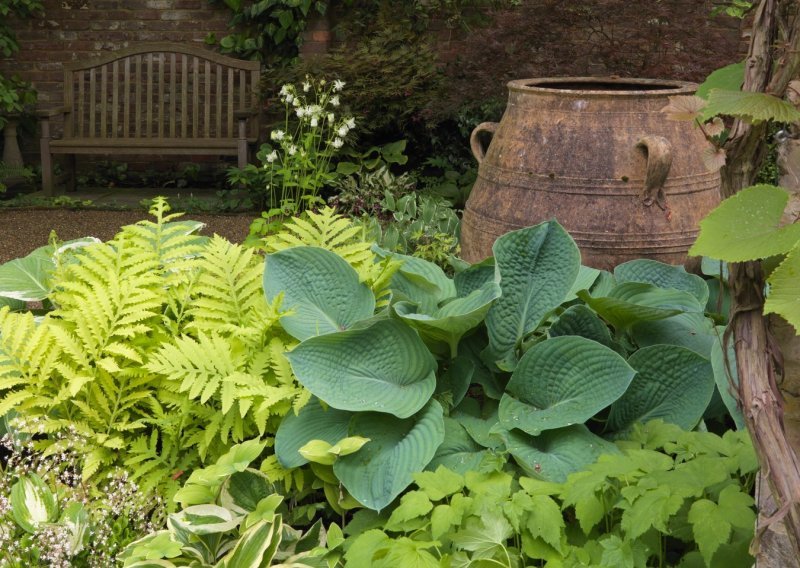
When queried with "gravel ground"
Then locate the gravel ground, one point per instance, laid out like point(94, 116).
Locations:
point(22, 230)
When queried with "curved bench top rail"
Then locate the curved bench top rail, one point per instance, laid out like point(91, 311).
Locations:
point(163, 47)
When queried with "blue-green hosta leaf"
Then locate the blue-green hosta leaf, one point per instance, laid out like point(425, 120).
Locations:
point(587, 276)
point(663, 276)
point(471, 348)
point(384, 367)
point(672, 383)
point(580, 320)
point(749, 106)
point(398, 448)
point(784, 290)
point(27, 279)
point(729, 78)
point(419, 281)
point(448, 324)
point(480, 421)
point(563, 381)
point(313, 422)
point(455, 381)
point(458, 452)
point(537, 267)
point(691, 330)
point(630, 303)
point(475, 277)
point(319, 288)
point(32, 503)
point(555, 454)
point(727, 379)
point(746, 227)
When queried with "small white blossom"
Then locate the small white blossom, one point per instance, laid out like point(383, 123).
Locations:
point(338, 143)
point(297, 102)
point(338, 85)
point(306, 86)
point(314, 122)
point(350, 122)
point(277, 134)
point(301, 112)
point(335, 100)
point(289, 98)
point(292, 150)
point(342, 130)
point(272, 156)
point(331, 117)
point(285, 90)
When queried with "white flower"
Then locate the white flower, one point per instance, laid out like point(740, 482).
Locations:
point(288, 98)
point(338, 85)
point(292, 150)
point(306, 86)
point(285, 90)
point(335, 100)
point(301, 111)
point(297, 102)
point(272, 156)
point(338, 143)
point(331, 117)
point(314, 122)
point(277, 134)
point(350, 122)
point(342, 130)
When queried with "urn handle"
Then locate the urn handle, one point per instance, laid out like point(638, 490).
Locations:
point(659, 160)
point(475, 142)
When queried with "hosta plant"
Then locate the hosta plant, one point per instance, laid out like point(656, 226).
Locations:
point(528, 354)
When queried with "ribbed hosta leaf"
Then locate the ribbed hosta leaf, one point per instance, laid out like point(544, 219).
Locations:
point(750, 106)
point(580, 320)
point(398, 448)
point(313, 422)
point(692, 330)
point(561, 382)
point(555, 454)
point(745, 227)
point(419, 281)
point(784, 291)
point(320, 289)
point(475, 277)
point(537, 267)
point(663, 276)
point(672, 383)
point(587, 276)
point(384, 367)
point(633, 302)
point(28, 278)
point(450, 322)
point(458, 452)
point(727, 379)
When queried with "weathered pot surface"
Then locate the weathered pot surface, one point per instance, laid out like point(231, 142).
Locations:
point(598, 155)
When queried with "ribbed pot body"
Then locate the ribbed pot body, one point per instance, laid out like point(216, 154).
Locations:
point(576, 150)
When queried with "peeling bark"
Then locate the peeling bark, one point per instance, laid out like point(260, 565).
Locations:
point(773, 60)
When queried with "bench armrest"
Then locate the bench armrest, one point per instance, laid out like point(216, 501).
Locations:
point(244, 114)
point(51, 112)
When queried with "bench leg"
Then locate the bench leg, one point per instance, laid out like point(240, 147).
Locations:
point(242, 145)
point(71, 185)
point(47, 168)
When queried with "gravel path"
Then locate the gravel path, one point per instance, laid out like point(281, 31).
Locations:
point(22, 230)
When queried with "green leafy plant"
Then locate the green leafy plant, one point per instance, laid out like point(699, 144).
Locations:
point(543, 346)
point(14, 93)
point(668, 497)
point(231, 519)
point(296, 164)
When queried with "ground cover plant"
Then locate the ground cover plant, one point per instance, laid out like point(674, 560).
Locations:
point(352, 369)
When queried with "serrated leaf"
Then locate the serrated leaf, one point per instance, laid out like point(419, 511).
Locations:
point(537, 267)
point(714, 158)
point(313, 422)
point(746, 227)
point(712, 522)
point(729, 78)
point(784, 290)
point(653, 508)
point(672, 383)
point(440, 483)
point(398, 448)
point(750, 106)
point(320, 289)
point(384, 367)
point(561, 382)
point(413, 505)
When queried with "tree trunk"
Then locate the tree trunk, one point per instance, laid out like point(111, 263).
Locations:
point(771, 63)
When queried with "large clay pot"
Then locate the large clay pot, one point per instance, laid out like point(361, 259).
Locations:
point(599, 156)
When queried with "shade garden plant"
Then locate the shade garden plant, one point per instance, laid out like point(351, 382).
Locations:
point(336, 403)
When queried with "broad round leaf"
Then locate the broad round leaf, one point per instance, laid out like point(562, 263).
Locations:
point(537, 267)
point(384, 367)
point(729, 78)
point(663, 276)
point(563, 381)
point(455, 381)
point(458, 452)
point(746, 227)
point(586, 278)
point(692, 330)
point(727, 379)
point(630, 303)
point(419, 281)
point(27, 279)
point(243, 490)
point(398, 448)
point(672, 383)
point(320, 289)
point(580, 320)
point(313, 422)
point(450, 322)
point(555, 454)
point(475, 277)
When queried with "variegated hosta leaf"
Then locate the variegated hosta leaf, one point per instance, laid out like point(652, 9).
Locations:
point(746, 226)
point(32, 503)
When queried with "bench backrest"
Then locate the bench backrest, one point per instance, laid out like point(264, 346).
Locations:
point(159, 90)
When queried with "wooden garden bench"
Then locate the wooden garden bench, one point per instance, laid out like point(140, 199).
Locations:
point(154, 99)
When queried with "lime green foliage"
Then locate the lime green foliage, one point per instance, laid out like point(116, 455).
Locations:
point(746, 227)
point(428, 379)
point(667, 498)
point(231, 519)
point(160, 352)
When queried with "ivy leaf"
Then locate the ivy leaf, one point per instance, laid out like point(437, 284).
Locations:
point(712, 522)
point(746, 227)
point(784, 291)
point(750, 106)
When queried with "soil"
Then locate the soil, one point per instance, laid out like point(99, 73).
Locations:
point(23, 230)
